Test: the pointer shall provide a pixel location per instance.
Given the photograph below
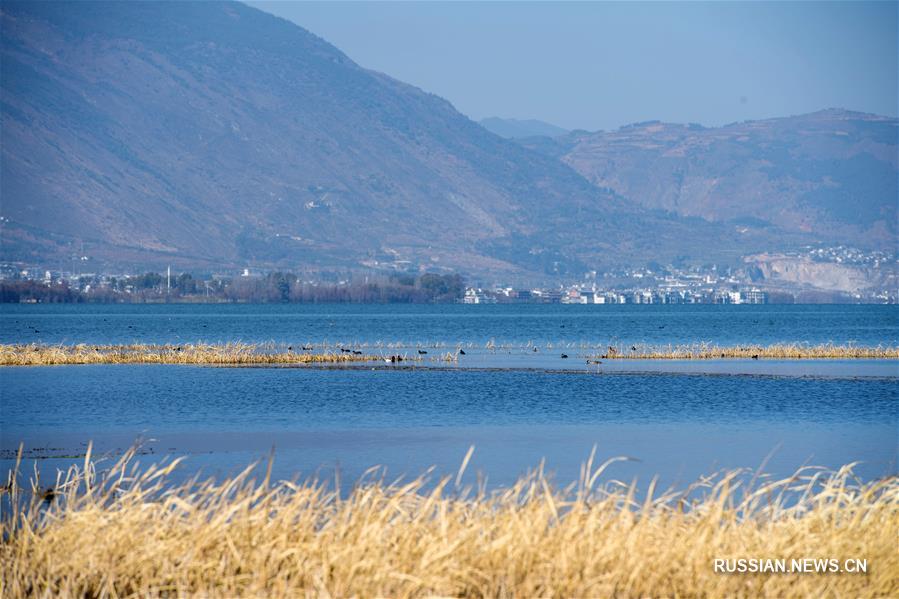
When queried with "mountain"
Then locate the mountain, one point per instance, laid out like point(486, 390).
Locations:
point(831, 174)
point(520, 129)
point(213, 135)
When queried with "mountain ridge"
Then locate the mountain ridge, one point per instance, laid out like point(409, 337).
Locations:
point(831, 173)
point(521, 128)
point(213, 135)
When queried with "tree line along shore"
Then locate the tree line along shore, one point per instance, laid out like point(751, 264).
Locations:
point(275, 287)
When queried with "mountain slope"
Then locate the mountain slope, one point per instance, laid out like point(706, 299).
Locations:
point(831, 174)
point(520, 129)
point(210, 134)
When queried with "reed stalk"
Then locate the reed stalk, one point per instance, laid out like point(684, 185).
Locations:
point(202, 354)
point(782, 351)
point(131, 532)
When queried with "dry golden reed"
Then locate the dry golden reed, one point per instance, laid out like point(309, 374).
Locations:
point(199, 353)
point(129, 532)
point(784, 351)
point(237, 353)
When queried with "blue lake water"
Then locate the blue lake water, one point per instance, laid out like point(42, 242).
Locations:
point(679, 420)
point(450, 324)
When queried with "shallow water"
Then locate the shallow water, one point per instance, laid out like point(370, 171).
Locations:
point(450, 324)
point(409, 419)
point(679, 418)
point(579, 360)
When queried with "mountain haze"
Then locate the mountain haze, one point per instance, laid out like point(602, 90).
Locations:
point(211, 134)
point(521, 129)
point(831, 174)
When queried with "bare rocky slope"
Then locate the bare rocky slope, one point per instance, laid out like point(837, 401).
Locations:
point(831, 174)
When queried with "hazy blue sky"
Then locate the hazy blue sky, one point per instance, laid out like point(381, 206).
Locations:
point(601, 65)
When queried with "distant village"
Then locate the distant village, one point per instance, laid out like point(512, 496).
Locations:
point(578, 295)
point(709, 284)
point(654, 284)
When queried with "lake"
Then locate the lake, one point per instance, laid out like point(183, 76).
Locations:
point(676, 419)
point(450, 324)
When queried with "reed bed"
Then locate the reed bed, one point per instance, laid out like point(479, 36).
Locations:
point(129, 532)
point(784, 351)
point(232, 354)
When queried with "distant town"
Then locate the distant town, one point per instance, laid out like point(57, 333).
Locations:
point(748, 284)
point(579, 295)
point(652, 284)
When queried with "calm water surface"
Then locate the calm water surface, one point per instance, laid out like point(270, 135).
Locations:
point(679, 422)
point(450, 324)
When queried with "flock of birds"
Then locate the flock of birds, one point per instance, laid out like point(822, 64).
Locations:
point(395, 358)
point(460, 352)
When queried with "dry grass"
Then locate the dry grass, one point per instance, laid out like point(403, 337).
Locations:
point(784, 351)
point(237, 353)
point(225, 354)
point(133, 534)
